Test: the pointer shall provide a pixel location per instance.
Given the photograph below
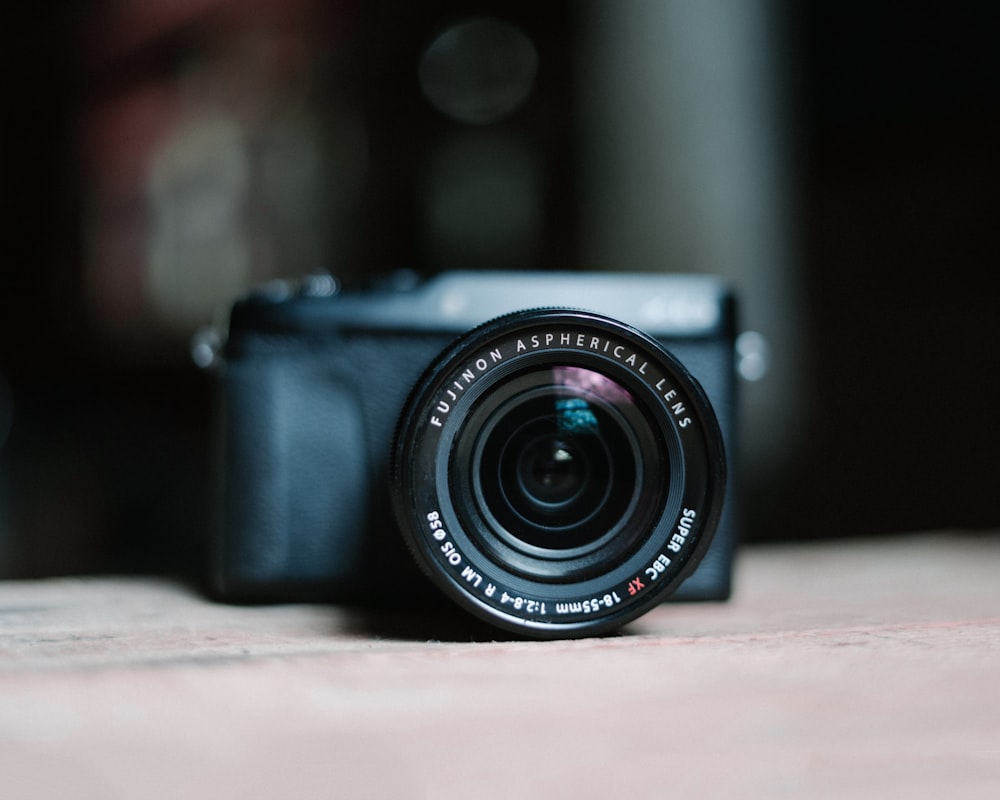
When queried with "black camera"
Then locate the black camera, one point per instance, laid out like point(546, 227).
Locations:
point(550, 446)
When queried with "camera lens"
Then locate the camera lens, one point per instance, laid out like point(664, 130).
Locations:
point(557, 472)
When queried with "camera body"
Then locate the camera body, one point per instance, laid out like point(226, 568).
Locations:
point(313, 383)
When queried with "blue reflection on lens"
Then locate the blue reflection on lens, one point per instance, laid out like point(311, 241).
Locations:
point(575, 416)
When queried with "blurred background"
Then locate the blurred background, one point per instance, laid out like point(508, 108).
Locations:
point(837, 162)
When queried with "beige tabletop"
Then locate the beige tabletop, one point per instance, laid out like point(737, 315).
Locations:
point(863, 668)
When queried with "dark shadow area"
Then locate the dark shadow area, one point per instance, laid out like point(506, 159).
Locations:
point(899, 115)
point(430, 622)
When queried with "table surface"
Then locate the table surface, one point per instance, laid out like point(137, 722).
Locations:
point(862, 668)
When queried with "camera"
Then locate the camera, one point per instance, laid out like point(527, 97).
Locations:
point(548, 448)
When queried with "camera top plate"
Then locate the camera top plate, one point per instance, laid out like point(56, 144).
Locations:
point(662, 305)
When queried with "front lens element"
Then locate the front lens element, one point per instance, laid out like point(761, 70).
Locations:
point(555, 467)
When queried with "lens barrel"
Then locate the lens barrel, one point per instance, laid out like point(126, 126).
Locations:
point(557, 473)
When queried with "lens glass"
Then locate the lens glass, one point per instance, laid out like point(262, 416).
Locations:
point(557, 467)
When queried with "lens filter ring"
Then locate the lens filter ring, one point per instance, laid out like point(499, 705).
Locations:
point(557, 473)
